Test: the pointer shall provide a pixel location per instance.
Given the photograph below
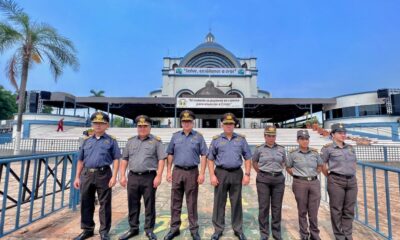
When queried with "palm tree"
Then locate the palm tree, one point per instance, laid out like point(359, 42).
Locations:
point(97, 94)
point(31, 42)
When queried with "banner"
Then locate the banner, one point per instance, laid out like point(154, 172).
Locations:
point(209, 102)
point(210, 71)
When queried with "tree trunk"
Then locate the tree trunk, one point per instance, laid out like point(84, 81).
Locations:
point(21, 102)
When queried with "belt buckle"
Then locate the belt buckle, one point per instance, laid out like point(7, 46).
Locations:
point(273, 174)
point(92, 170)
point(309, 178)
point(139, 173)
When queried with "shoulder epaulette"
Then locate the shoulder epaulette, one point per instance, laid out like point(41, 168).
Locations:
point(241, 135)
point(113, 137)
point(86, 138)
point(293, 150)
point(177, 132)
point(215, 137)
point(199, 133)
point(157, 138)
point(280, 145)
point(328, 144)
point(314, 150)
point(259, 145)
point(131, 137)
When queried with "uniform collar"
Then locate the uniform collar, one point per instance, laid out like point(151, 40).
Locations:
point(105, 135)
point(265, 145)
point(150, 136)
point(233, 135)
point(192, 132)
point(337, 146)
point(308, 150)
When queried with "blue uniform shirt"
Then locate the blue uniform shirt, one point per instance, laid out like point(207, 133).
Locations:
point(99, 152)
point(187, 149)
point(228, 153)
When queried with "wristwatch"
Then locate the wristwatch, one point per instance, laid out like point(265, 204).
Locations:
point(247, 174)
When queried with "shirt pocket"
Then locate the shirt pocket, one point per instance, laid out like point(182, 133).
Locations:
point(105, 149)
point(133, 151)
point(149, 149)
point(195, 145)
point(351, 156)
point(265, 157)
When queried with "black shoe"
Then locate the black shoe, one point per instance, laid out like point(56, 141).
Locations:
point(170, 235)
point(196, 236)
point(241, 236)
point(104, 236)
point(216, 236)
point(129, 234)
point(85, 234)
point(151, 236)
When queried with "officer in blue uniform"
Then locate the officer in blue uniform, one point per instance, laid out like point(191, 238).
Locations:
point(94, 174)
point(226, 154)
point(186, 150)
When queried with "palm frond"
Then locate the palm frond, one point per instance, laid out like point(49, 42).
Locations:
point(12, 71)
point(55, 66)
point(8, 36)
point(15, 13)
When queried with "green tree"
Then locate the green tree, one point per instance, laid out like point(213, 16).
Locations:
point(31, 42)
point(8, 105)
point(97, 93)
point(119, 122)
point(47, 109)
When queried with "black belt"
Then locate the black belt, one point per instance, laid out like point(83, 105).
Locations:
point(185, 168)
point(342, 176)
point(92, 170)
point(143, 173)
point(272, 173)
point(306, 178)
point(229, 169)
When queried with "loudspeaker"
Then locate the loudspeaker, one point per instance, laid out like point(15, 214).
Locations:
point(395, 104)
point(33, 102)
point(44, 95)
point(383, 93)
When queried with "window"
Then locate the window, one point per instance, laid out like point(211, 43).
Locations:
point(349, 112)
point(337, 113)
point(376, 109)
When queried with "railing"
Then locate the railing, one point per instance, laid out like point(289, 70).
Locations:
point(35, 186)
point(26, 198)
point(378, 195)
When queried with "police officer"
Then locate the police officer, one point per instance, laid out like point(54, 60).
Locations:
point(225, 154)
point(304, 164)
point(184, 150)
point(340, 167)
point(144, 156)
point(268, 161)
point(94, 174)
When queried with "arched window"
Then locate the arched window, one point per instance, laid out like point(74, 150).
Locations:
point(235, 93)
point(244, 65)
point(184, 93)
point(174, 66)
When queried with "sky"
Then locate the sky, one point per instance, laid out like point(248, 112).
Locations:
point(304, 48)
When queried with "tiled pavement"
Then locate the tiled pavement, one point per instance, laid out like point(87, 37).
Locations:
point(65, 224)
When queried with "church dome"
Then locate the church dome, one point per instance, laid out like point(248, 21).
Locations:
point(209, 90)
point(210, 55)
